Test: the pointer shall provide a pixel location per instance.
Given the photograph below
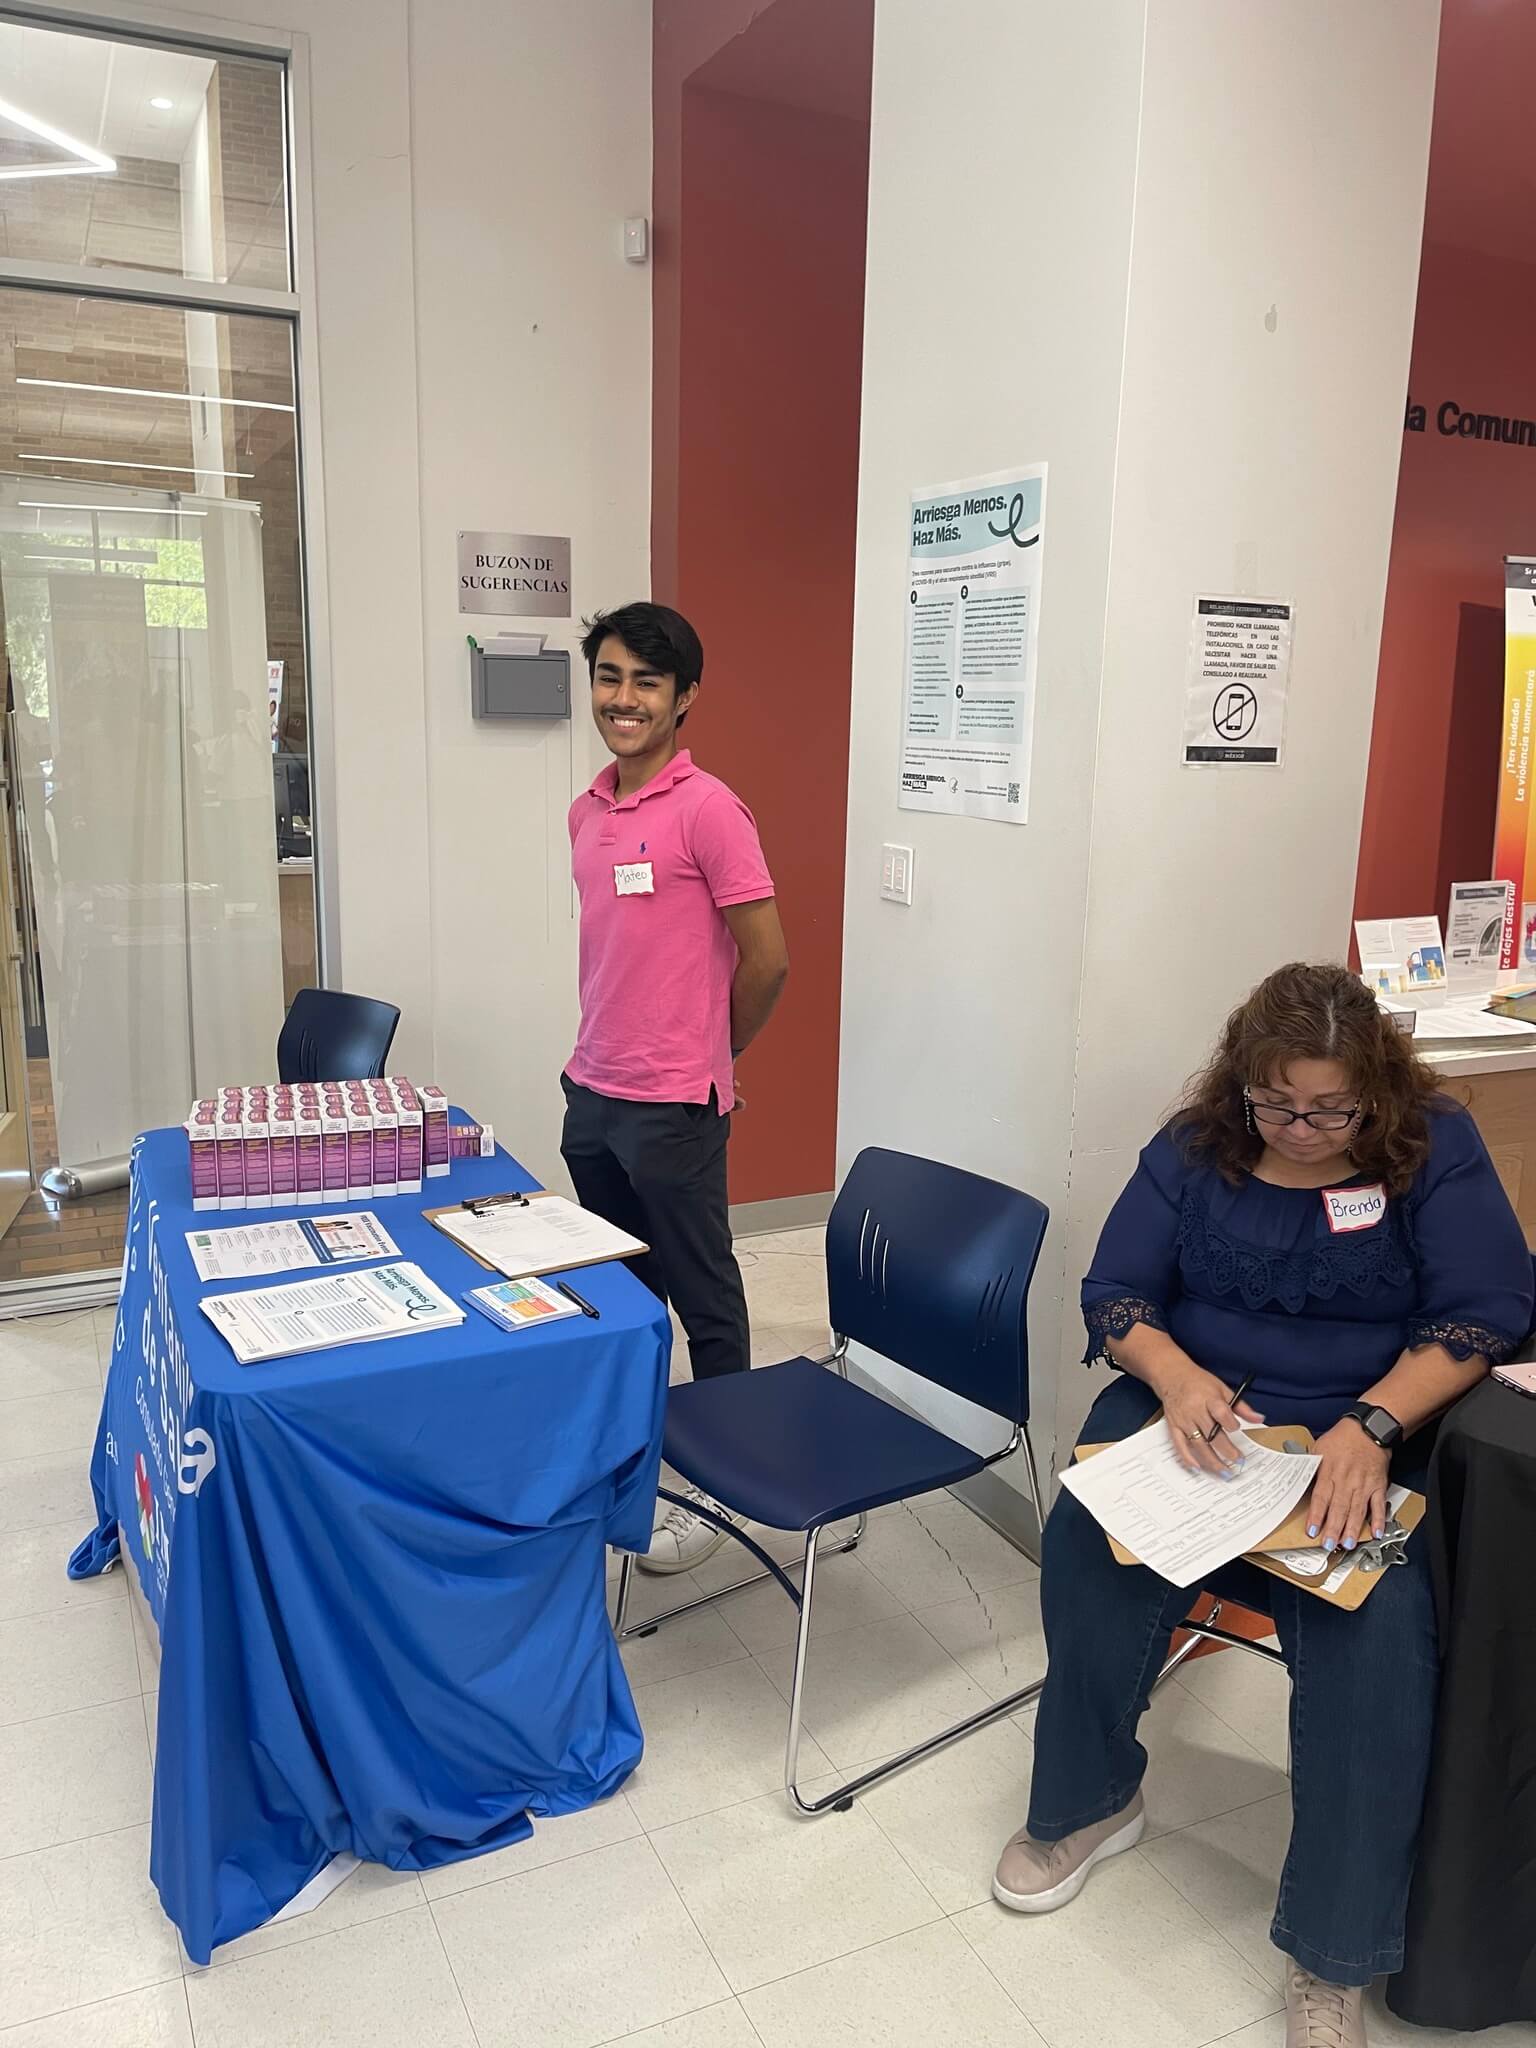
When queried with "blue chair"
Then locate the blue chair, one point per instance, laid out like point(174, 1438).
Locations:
point(328, 1036)
point(930, 1267)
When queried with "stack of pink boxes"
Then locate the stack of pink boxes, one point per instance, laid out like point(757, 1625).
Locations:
point(323, 1141)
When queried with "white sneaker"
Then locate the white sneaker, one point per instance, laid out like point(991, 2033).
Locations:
point(680, 1539)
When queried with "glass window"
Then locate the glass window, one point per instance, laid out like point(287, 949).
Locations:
point(117, 154)
point(151, 602)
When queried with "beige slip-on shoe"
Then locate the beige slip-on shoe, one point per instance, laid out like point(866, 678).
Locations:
point(1037, 1877)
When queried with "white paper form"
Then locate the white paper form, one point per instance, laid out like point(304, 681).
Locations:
point(342, 1308)
point(1184, 1524)
point(547, 1236)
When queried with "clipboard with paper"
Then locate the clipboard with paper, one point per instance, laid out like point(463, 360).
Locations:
point(523, 1235)
point(1285, 1551)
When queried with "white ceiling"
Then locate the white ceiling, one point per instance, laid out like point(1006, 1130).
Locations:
point(99, 92)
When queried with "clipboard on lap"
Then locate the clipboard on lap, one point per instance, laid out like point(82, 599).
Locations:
point(1291, 1534)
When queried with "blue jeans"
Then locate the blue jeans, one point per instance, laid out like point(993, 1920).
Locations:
point(1363, 1690)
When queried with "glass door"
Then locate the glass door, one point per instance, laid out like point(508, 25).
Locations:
point(15, 1144)
point(143, 805)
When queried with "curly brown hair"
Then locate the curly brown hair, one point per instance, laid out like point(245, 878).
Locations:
point(1319, 1013)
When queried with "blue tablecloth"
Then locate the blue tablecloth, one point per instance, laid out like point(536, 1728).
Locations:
point(378, 1572)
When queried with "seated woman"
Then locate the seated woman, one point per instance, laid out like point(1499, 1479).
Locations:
point(1231, 1252)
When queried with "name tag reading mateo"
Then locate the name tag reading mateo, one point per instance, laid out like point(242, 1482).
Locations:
point(634, 878)
point(1354, 1208)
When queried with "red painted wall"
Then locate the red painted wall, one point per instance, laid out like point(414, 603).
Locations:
point(759, 339)
point(1462, 505)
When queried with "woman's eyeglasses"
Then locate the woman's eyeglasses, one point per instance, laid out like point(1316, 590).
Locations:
point(1319, 1119)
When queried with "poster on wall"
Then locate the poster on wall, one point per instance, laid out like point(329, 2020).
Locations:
point(972, 645)
point(1237, 679)
point(1514, 843)
point(275, 700)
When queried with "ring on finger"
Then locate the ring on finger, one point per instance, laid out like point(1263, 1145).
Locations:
point(1195, 1436)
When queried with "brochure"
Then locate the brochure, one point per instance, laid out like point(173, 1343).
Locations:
point(341, 1308)
point(520, 1304)
point(1401, 956)
point(251, 1249)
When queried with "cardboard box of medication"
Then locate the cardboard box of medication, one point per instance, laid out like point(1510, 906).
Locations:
point(471, 1141)
point(434, 1108)
point(309, 1165)
point(229, 1149)
point(202, 1154)
point(409, 1119)
point(257, 1127)
point(359, 1142)
point(335, 1145)
point(285, 1178)
point(386, 1138)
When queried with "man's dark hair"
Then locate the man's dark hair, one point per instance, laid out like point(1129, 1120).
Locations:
point(661, 637)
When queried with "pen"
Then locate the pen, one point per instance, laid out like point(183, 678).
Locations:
point(580, 1300)
point(1215, 1428)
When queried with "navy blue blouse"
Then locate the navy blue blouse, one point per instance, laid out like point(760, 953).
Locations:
point(1253, 1278)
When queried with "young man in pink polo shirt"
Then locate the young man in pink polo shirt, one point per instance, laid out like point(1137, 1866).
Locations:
point(682, 961)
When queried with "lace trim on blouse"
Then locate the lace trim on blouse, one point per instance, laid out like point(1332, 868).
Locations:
point(1462, 1340)
point(1117, 1318)
point(1356, 1262)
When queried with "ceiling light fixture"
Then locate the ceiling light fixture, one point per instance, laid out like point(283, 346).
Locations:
point(165, 468)
point(133, 391)
point(91, 161)
point(162, 106)
point(120, 511)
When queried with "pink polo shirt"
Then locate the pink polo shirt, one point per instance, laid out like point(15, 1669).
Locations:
point(654, 871)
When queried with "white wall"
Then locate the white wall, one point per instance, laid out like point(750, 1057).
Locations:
point(531, 144)
point(484, 361)
point(1266, 357)
point(1130, 189)
point(1002, 163)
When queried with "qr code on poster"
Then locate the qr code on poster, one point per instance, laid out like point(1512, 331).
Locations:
point(1013, 792)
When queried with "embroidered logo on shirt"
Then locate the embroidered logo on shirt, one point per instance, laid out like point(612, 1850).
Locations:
point(1354, 1208)
point(634, 878)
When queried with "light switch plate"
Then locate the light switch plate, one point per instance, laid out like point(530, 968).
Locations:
point(896, 874)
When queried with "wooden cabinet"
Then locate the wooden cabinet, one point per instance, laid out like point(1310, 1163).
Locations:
point(1502, 1101)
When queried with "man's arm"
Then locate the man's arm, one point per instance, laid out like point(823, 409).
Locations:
point(761, 971)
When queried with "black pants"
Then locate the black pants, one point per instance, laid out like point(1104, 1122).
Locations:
point(657, 1169)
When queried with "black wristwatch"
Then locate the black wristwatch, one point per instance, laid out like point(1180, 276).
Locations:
point(1382, 1427)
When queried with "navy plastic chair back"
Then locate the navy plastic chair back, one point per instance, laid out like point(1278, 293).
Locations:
point(328, 1036)
point(930, 1266)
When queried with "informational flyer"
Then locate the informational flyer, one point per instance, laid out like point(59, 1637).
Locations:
point(1481, 919)
point(1401, 956)
point(1238, 677)
point(251, 1249)
point(973, 633)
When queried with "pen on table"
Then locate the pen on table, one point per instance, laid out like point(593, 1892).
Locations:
point(1215, 1428)
point(580, 1300)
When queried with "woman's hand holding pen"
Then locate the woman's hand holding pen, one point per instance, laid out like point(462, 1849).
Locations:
point(1201, 1411)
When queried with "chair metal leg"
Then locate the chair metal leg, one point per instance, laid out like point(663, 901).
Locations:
point(1032, 1472)
point(628, 1631)
point(841, 1799)
point(626, 1583)
point(1186, 1650)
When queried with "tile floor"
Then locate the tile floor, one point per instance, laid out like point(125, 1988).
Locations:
point(692, 1911)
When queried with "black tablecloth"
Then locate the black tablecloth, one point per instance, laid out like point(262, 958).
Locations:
point(1471, 1952)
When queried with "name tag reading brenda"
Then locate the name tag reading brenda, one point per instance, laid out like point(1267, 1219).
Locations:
point(634, 878)
point(1354, 1208)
